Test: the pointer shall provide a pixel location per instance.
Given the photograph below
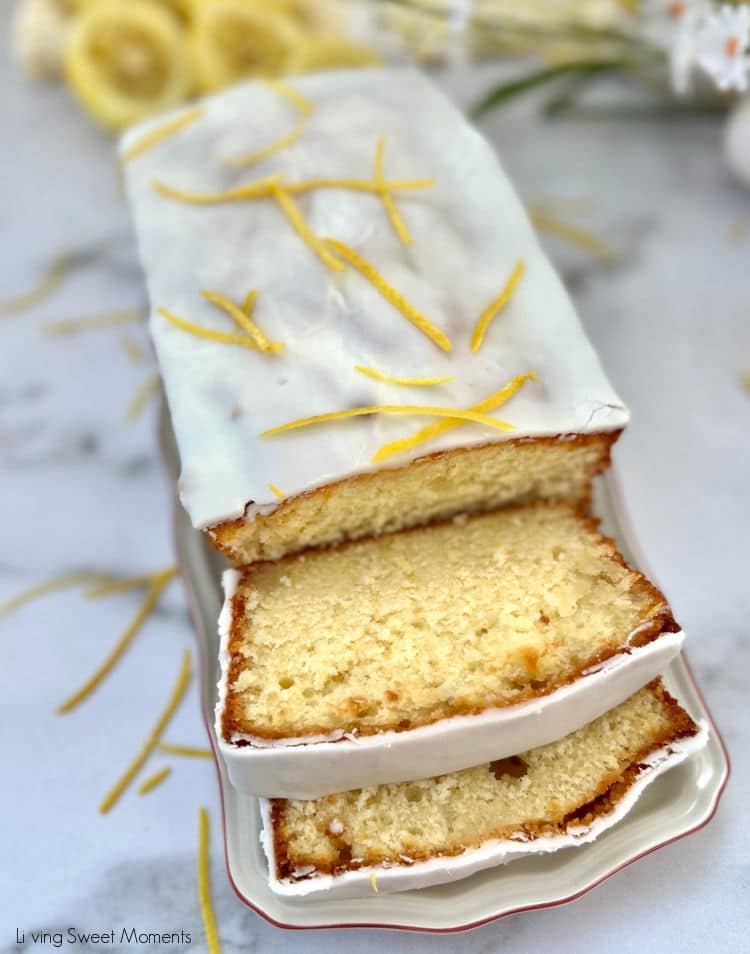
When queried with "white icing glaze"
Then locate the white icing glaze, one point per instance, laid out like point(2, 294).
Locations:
point(314, 766)
point(469, 231)
point(422, 874)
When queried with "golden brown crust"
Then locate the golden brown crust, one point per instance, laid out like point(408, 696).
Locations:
point(232, 721)
point(224, 536)
point(602, 802)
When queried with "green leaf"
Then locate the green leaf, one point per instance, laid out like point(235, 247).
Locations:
point(581, 70)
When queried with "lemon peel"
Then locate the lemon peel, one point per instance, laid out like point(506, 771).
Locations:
point(152, 739)
point(490, 403)
point(495, 306)
point(390, 293)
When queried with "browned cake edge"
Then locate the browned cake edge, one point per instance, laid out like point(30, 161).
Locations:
point(227, 537)
point(232, 721)
point(602, 802)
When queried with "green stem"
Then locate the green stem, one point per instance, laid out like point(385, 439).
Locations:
point(580, 70)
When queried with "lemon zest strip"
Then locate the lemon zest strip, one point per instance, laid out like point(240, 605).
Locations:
point(282, 143)
point(149, 389)
point(164, 131)
point(158, 583)
point(491, 311)
point(295, 96)
point(175, 697)
point(249, 303)
point(278, 493)
point(359, 185)
point(449, 412)
point(42, 589)
point(399, 226)
point(153, 780)
point(55, 273)
point(187, 751)
point(390, 294)
point(261, 188)
point(242, 317)
point(393, 379)
point(490, 403)
point(104, 319)
point(289, 208)
point(221, 336)
point(129, 583)
point(373, 882)
point(134, 352)
point(573, 234)
point(204, 886)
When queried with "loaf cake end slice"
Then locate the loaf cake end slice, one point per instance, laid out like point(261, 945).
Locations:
point(395, 837)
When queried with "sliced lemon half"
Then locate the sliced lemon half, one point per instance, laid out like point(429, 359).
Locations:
point(126, 60)
point(328, 51)
point(231, 40)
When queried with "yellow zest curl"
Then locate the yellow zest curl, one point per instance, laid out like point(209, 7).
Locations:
point(373, 882)
point(263, 188)
point(398, 223)
point(297, 98)
point(392, 379)
point(359, 185)
point(104, 319)
point(175, 697)
point(258, 154)
point(574, 234)
point(275, 490)
point(390, 294)
point(42, 589)
point(149, 389)
point(495, 306)
point(249, 303)
point(188, 751)
point(134, 352)
point(290, 210)
point(131, 583)
point(153, 780)
point(243, 340)
point(259, 189)
point(159, 581)
point(449, 412)
point(242, 318)
point(490, 403)
point(204, 886)
point(154, 136)
point(56, 272)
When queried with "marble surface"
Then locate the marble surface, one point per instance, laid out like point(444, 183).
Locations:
point(80, 489)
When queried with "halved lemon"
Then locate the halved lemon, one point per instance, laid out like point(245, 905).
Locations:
point(328, 51)
point(231, 40)
point(126, 60)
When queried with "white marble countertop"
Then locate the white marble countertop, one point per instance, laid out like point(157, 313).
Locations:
point(82, 490)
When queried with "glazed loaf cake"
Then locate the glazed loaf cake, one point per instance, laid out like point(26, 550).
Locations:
point(423, 651)
point(394, 267)
point(411, 835)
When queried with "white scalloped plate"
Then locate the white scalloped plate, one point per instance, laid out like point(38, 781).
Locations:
point(676, 804)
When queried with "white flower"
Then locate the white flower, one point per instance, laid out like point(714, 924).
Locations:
point(671, 25)
point(721, 43)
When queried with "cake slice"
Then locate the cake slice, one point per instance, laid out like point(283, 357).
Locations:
point(411, 835)
point(423, 288)
point(430, 650)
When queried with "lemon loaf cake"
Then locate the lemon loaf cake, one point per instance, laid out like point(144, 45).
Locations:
point(411, 835)
point(430, 650)
point(349, 247)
